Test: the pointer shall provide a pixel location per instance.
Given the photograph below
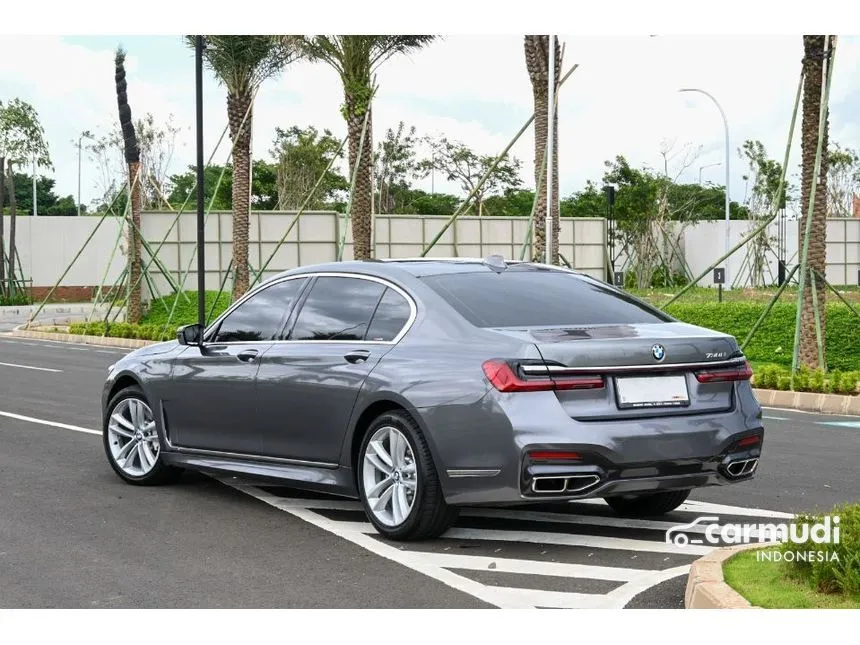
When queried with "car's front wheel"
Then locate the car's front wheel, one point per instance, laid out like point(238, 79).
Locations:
point(398, 482)
point(131, 441)
point(647, 505)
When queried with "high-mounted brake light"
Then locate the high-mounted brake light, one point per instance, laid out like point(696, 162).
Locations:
point(503, 377)
point(723, 374)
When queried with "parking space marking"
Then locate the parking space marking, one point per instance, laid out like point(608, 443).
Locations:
point(44, 422)
point(32, 367)
point(520, 580)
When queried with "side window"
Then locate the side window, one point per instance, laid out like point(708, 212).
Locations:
point(390, 317)
point(261, 316)
point(337, 309)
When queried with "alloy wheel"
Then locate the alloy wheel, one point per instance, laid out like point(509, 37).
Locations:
point(132, 437)
point(390, 476)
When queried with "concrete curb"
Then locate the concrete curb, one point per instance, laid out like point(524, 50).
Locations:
point(104, 341)
point(809, 401)
point(706, 587)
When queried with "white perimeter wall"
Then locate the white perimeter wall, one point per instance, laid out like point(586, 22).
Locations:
point(47, 245)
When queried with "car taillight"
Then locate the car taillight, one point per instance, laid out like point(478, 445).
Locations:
point(504, 378)
point(720, 375)
point(553, 455)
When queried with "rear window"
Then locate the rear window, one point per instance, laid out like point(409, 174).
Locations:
point(528, 297)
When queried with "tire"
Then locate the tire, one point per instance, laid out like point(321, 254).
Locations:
point(429, 516)
point(647, 505)
point(145, 466)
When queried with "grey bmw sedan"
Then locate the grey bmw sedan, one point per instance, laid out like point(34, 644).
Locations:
point(420, 386)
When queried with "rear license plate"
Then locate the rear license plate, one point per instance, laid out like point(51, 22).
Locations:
point(652, 392)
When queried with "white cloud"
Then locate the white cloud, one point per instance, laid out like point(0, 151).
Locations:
point(623, 99)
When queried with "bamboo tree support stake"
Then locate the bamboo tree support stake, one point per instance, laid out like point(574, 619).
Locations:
point(106, 271)
point(767, 309)
point(539, 184)
point(346, 216)
point(818, 340)
point(301, 210)
point(489, 171)
point(816, 170)
point(74, 259)
point(114, 296)
point(837, 294)
point(767, 221)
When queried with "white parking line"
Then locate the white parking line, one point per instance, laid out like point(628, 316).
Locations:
point(32, 367)
point(44, 422)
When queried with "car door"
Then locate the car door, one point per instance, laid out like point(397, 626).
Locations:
point(307, 387)
point(211, 404)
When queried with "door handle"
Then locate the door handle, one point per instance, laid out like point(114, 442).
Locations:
point(357, 356)
point(247, 356)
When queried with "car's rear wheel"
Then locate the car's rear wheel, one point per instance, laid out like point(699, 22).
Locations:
point(131, 441)
point(647, 505)
point(398, 482)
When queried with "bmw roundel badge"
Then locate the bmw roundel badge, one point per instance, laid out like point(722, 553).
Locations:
point(658, 352)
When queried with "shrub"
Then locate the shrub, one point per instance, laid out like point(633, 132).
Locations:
point(122, 330)
point(833, 575)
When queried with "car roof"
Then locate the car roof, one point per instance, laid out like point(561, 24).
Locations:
point(415, 267)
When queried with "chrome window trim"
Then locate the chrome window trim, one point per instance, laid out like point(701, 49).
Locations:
point(563, 369)
point(413, 310)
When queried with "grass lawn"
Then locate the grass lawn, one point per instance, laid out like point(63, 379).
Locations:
point(767, 584)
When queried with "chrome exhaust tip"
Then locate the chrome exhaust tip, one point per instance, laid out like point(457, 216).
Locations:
point(563, 484)
point(742, 467)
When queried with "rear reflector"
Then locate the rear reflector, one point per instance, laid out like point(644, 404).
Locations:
point(748, 441)
point(505, 379)
point(553, 455)
point(720, 375)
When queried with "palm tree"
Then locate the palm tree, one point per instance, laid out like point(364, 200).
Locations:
point(131, 150)
point(355, 59)
point(813, 65)
point(537, 64)
point(241, 64)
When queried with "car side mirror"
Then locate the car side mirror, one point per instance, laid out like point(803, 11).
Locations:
point(190, 334)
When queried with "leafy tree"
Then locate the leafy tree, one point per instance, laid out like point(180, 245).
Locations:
point(22, 140)
point(131, 151)
point(513, 202)
point(264, 186)
point(264, 194)
point(396, 166)
point(156, 143)
point(537, 50)
point(301, 156)
point(460, 163)
point(843, 180)
point(241, 64)
point(814, 48)
point(49, 203)
point(355, 59)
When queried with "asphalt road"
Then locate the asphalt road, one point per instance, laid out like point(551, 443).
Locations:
point(73, 535)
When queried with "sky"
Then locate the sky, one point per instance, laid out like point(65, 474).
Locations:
point(623, 98)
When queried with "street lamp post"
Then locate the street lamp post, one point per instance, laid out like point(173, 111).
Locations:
point(726, 127)
point(709, 165)
point(84, 135)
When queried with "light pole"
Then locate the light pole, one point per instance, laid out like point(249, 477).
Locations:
point(709, 165)
point(84, 135)
point(35, 205)
point(726, 126)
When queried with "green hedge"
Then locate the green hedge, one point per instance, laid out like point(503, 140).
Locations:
point(185, 311)
point(778, 377)
point(122, 330)
point(774, 340)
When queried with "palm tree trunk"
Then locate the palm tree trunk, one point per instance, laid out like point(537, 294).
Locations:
point(13, 212)
point(2, 227)
point(237, 107)
point(537, 64)
point(134, 310)
point(814, 47)
point(360, 214)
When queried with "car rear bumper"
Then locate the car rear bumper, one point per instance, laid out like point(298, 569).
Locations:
point(615, 458)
